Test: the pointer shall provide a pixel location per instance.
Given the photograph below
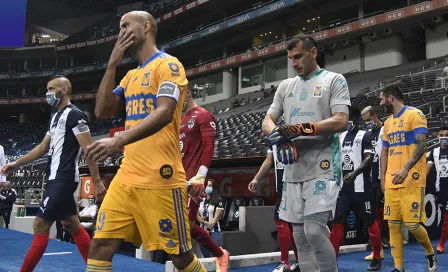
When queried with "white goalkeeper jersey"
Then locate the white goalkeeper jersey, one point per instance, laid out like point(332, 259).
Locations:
point(306, 100)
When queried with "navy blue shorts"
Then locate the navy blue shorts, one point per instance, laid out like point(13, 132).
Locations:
point(58, 202)
point(361, 203)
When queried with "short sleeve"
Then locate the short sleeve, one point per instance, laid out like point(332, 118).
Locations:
point(430, 158)
point(419, 123)
point(123, 84)
point(367, 144)
point(77, 122)
point(220, 204)
point(340, 94)
point(276, 108)
point(384, 137)
point(171, 79)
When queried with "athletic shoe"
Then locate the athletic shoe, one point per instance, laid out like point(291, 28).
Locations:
point(440, 249)
point(374, 265)
point(281, 267)
point(432, 262)
point(396, 270)
point(370, 256)
point(295, 268)
point(222, 263)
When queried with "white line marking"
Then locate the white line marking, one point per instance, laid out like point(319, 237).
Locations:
point(57, 253)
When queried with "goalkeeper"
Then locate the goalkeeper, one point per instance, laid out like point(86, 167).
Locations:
point(315, 105)
point(197, 139)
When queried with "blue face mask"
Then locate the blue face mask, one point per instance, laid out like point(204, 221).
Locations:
point(209, 190)
point(443, 141)
point(370, 125)
point(52, 100)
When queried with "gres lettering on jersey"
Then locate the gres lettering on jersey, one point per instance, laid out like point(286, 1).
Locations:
point(302, 100)
point(153, 162)
point(399, 136)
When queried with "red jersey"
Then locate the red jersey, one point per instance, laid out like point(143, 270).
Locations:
point(197, 140)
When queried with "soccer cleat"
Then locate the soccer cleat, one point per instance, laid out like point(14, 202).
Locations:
point(295, 268)
point(397, 270)
point(222, 263)
point(440, 249)
point(375, 265)
point(432, 262)
point(370, 257)
point(282, 267)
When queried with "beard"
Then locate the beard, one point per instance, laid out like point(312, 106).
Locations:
point(389, 108)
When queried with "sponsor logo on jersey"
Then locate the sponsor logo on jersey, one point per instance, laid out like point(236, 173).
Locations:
point(298, 112)
point(303, 94)
point(415, 176)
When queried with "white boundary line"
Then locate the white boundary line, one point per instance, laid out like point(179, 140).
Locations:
point(258, 259)
point(57, 253)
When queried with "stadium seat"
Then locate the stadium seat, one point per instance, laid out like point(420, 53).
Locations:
point(256, 201)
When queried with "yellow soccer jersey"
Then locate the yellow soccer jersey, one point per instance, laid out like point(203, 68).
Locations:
point(153, 162)
point(399, 137)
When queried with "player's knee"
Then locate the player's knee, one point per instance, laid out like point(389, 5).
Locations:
point(412, 226)
point(41, 226)
point(183, 260)
point(313, 232)
point(394, 225)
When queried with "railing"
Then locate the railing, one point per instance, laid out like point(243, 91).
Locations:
point(417, 82)
point(444, 102)
point(426, 66)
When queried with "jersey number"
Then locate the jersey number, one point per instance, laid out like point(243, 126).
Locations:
point(101, 219)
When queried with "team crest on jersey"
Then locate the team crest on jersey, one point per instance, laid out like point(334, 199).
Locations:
point(191, 123)
point(318, 91)
point(146, 82)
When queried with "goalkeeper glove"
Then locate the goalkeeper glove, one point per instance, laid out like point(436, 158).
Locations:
point(284, 133)
point(196, 183)
point(287, 153)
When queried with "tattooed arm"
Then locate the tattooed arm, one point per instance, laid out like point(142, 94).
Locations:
point(420, 150)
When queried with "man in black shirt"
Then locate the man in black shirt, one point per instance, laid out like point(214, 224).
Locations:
point(7, 198)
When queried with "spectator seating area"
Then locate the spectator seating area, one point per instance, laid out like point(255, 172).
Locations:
point(17, 139)
point(109, 25)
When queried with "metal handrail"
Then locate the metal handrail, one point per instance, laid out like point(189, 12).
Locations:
point(444, 102)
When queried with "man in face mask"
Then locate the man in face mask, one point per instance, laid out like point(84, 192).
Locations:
point(356, 193)
point(374, 127)
point(88, 214)
point(439, 159)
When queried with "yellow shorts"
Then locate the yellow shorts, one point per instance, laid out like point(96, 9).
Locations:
point(158, 218)
point(405, 204)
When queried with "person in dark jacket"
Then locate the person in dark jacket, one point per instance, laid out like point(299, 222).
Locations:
point(7, 198)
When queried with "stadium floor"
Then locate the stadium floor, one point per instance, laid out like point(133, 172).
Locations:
point(14, 245)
